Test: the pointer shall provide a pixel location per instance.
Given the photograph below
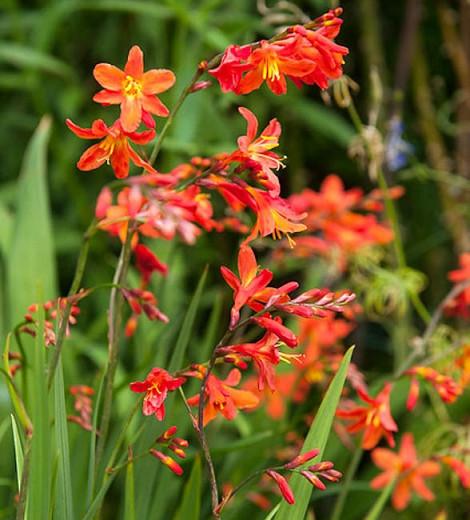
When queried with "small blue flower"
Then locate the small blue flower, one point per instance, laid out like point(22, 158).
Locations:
point(397, 149)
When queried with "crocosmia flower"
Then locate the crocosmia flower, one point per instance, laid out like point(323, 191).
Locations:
point(133, 89)
point(114, 147)
point(374, 420)
point(156, 387)
point(221, 397)
point(409, 472)
point(248, 285)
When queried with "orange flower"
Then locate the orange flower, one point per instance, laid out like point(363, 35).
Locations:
point(283, 486)
point(255, 152)
point(404, 466)
point(133, 89)
point(114, 148)
point(167, 461)
point(248, 285)
point(445, 386)
point(274, 217)
point(375, 420)
point(221, 398)
point(272, 62)
point(156, 386)
point(265, 353)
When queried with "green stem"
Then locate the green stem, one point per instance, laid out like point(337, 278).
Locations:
point(114, 322)
point(347, 481)
point(74, 288)
point(375, 512)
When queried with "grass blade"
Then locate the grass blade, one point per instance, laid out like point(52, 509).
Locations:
point(19, 458)
point(317, 437)
point(190, 508)
point(129, 499)
point(31, 262)
point(64, 495)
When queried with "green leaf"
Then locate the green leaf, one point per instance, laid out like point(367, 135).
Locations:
point(19, 458)
point(31, 262)
point(129, 498)
point(39, 488)
point(317, 437)
point(25, 57)
point(190, 508)
point(64, 502)
point(176, 361)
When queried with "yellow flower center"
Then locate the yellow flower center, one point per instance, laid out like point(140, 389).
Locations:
point(132, 87)
point(270, 68)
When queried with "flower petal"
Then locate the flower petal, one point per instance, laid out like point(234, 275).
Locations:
point(109, 76)
point(108, 97)
point(156, 81)
point(135, 62)
point(131, 113)
point(92, 158)
point(155, 106)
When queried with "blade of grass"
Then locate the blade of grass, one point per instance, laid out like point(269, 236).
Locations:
point(18, 450)
point(31, 259)
point(64, 496)
point(190, 508)
point(129, 498)
point(317, 437)
point(40, 474)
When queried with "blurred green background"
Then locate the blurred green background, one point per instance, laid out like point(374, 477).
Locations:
point(417, 51)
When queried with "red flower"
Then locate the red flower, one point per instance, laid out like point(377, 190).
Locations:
point(147, 263)
point(231, 68)
point(445, 386)
point(265, 353)
point(248, 285)
point(404, 466)
point(375, 419)
point(156, 386)
point(133, 89)
point(221, 398)
point(114, 148)
point(255, 152)
point(83, 405)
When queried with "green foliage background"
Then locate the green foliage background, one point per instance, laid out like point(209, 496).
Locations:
point(47, 53)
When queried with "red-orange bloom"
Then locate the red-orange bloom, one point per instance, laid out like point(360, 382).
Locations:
point(446, 387)
point(83, 405)
point(460, 305)
point(156, 386)
point(405, 467)
point(147, 263)
point(255, 152)
point(265, 353)
point(248, 285)
point(114, 148)
point(220, 397)
point(133, 89)
point(375, 419)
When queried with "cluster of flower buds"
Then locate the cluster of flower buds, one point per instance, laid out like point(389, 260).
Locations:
point(140, 301)
point(446, 387)
point(53, 309)
point(311, 473)
point(83, 405)
point(176, 445)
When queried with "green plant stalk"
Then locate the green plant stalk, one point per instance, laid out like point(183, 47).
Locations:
point(375, 512)
point(348, 479)
point(114, 325)
point(74, 288)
